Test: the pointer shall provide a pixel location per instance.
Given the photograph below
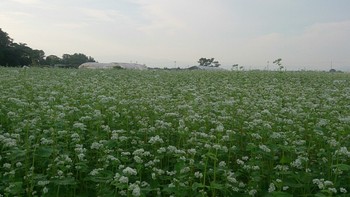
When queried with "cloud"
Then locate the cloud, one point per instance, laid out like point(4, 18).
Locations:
point(27, 1)
point(325, 42)
point(315, 47)
point(100, 15)
point(165, 30)
point(158, 17)
point(192, 17)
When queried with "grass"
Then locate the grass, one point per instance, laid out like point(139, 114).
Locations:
point(160, 133)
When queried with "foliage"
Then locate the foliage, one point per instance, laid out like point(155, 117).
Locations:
point(159, 133)
point(14, 54)
point(76, 59)
point(279, 64)
point(52, 60)
point(208, 62)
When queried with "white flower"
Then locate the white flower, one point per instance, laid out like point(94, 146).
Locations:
point(231, 178)
point(185, 170)
point(45, 190)
point(81, 156)
point(216, 146)
point(343, 190)
point(43, 183)
point(161, 150)
point(343, 151)
point(198, 174)
point(284, 188)
point(192, 151)
point(220, 128)
point(122, 193)
point(319, 183)
point(252, 192)
point(328, 183)
point(138, 159)
point(95, 171)
point(96, 145)
point(18, 164)
point(6, 165)
point(245, 158)
point(79, 125)
point(240, 162)
point(272, 187)
point(123, 179)
point(136, 191)
point(171, 185)
point(129, 171)
point(256, 136)
point(297, 163)
point(155, 139)
point(264, 148)
point(222, 164)
point(255, 167)
point(333, 190)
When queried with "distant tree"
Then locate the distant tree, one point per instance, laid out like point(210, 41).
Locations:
point(76, 59)
point(235, 66)
point(37, 57)
point(51, 60)
point(14, 54)
point(18, 54)
point(208, 62)
point(278, 63)
point(5, 40)
point(5, 43)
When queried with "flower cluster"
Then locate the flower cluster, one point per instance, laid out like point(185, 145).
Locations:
point(160, 133)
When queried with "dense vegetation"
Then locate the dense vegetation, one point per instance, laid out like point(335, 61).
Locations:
point(19, 54)
point(161, 133)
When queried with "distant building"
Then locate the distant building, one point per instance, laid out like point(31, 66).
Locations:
point(205, 68)
point(95, 65)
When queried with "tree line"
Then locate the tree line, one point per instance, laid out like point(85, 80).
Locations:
point(19, 54)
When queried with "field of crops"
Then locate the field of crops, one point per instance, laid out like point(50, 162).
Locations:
point(66, 132)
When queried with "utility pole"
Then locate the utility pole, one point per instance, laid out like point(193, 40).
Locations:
point(331, 64)
point(268, 64)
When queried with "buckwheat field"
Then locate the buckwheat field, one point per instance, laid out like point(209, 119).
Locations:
point(67, 132)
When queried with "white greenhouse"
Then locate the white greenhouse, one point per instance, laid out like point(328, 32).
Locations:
point(95, 65)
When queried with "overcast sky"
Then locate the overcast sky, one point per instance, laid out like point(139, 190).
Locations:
point(306, 34)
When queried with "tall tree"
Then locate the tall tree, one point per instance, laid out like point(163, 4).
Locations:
point(76, 59)
point(278, 63)
point(37, 57)
point(208, 62)
point(14, 54)
point(51, 60)
point(5, 40)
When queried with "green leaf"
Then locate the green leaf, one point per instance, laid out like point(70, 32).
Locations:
point(214, 185)
point(18, 154)
point(196, 185)
point(320, 195)
point(279, 194)
point(342, 167)
point(65, 181)
point(212, 156)
point(44, 152)
point(285, 160)
point(16, 188)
